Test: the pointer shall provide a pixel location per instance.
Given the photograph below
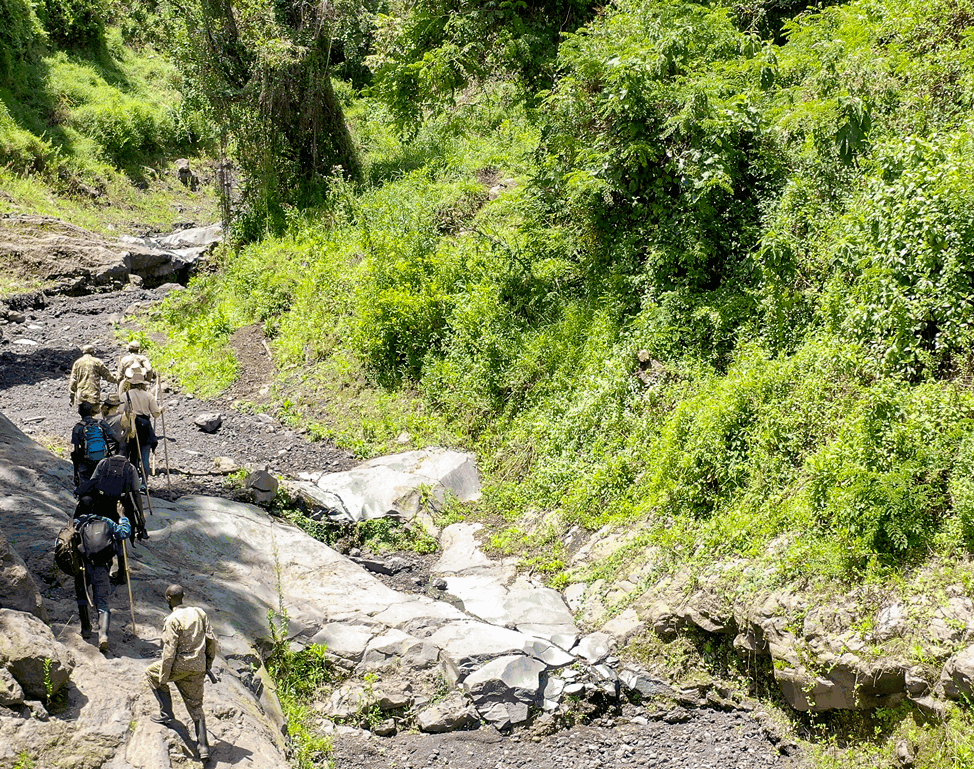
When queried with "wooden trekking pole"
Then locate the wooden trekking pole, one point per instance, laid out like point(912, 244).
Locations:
point(152, 461)
point(165, 441)
point(128, 581)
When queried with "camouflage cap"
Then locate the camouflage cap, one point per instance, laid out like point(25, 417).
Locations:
point(88, 349)
point(134, 346)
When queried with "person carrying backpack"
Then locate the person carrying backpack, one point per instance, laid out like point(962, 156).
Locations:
point(112, 417)
point(114, 480)
point(98, 539)
point(141, 406)
point(89, 440)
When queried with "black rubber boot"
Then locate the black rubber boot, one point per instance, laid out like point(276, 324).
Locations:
point(202, 741)
point(164, 698)
point(85, 622)
point(104, 620)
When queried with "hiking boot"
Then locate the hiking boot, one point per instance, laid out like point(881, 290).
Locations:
point(143, 534)
point(202, 741)
point(85, 622)
point(164, 698)
point(118, 578)
point(104, 620)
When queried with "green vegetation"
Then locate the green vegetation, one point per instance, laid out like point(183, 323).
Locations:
point(299, 676)
point(87, 123)
point(698, 273)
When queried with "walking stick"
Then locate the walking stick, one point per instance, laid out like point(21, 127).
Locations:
point(128, 581)
point(165, 441)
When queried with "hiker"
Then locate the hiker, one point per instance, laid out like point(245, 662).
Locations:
point(86, 375)
point(133, 362)
point(89, 439)
point(141, 405)
point(99, 542)
point(188, 651)
point(114, 480)
point(111, 417)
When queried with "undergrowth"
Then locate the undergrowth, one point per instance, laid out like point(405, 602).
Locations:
point(300, 676)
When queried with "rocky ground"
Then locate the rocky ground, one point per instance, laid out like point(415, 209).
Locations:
point(41, 340)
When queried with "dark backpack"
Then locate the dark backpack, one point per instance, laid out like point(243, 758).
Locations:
point(66, 554)
point(97, 544)
point(111, 476)
point(96, 442)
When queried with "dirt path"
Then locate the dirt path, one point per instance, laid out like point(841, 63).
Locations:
point(37, 353)
point(35, 368)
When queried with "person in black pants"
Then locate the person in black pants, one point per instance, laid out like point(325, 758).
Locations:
point(99, 538)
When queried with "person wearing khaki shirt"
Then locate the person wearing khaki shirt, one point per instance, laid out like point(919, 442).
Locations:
point(86, 375)
point(130, 363)
point(188, 651)
point(142, 406)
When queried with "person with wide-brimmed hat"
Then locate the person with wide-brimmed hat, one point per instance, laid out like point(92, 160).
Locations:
point(140, 406)
point(133, 364)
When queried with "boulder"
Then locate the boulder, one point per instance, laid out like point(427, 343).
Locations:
point(209, 422)
point(957, 678)
point(505, 689)
point(11, 692)
point(17, 588)
point(33, 657)
point(448, 715)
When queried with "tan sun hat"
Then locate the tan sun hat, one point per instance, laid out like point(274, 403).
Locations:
point(134, 376)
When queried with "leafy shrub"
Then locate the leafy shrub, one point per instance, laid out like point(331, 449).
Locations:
point(21, 37)
point(74, 23)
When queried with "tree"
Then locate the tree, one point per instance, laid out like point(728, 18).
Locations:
point(262, 67)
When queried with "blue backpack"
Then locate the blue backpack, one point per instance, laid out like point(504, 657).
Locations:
point(96, 443)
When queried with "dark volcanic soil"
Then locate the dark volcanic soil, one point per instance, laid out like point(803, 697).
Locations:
point(34, 395)
point(35, 364)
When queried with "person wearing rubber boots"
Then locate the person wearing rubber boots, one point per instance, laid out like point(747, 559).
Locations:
point(188, 651)
point(98, 538)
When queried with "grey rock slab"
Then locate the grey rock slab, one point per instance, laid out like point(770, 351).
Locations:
point(469, 644)
point(957, 679)
point(345, 641)
point(482, 587)
point(399, 484)
point(460, 551)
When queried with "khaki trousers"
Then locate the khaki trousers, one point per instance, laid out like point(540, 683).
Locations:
point(189, 683)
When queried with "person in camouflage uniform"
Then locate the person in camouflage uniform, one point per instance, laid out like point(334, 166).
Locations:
point(188, 651)
point(86, 375)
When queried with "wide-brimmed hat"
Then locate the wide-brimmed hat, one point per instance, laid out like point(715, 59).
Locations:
point(134, 376)
point(112, 400)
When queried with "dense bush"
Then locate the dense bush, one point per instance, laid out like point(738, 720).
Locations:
point(21, 37)
point(722, 294)
point(78, 24)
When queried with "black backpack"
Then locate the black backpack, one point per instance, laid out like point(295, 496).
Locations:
point(96, 441)
point(111, 476)
point(67, 556)
point(96, 541)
